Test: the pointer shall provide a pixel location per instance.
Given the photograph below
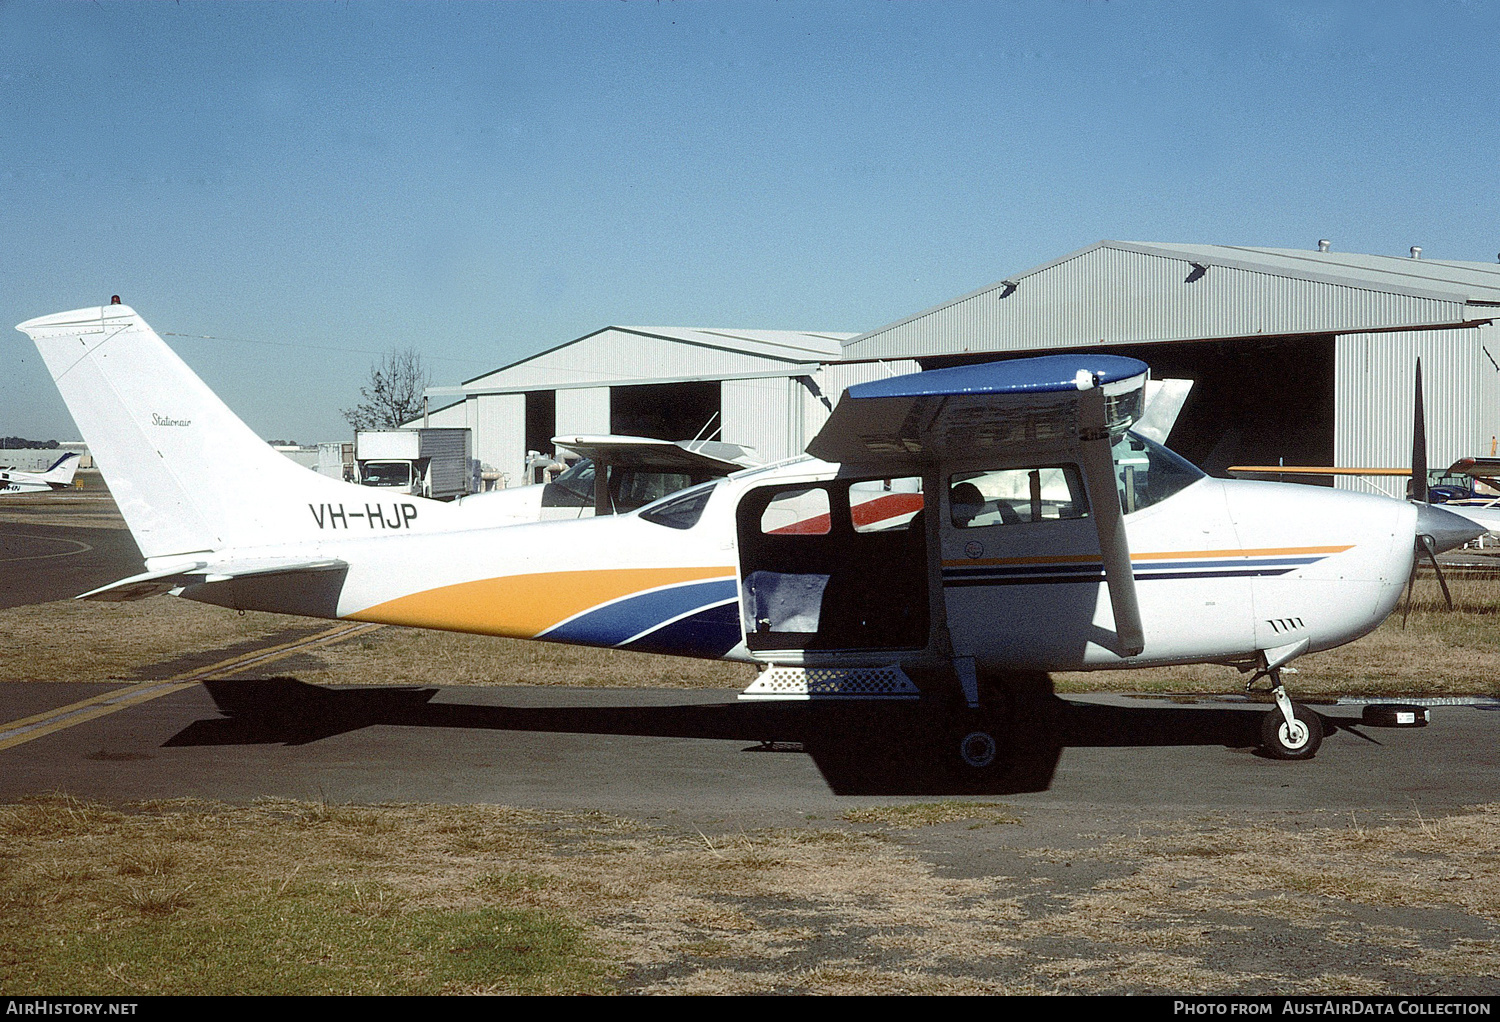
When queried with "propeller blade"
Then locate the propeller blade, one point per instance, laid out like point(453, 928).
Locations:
point(1417, 490)
point(1411, 583)
point(1427, 549)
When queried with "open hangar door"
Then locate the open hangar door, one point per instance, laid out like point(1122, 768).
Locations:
point(1255, 401)
point(666, 411)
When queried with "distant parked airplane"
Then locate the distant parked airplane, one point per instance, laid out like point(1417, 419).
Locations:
point(57, 477)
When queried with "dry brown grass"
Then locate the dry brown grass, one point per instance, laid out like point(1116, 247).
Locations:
point(1201, 908)
point(1357, 888)
point(679, 911)
point(928, 814)
point(82, 640)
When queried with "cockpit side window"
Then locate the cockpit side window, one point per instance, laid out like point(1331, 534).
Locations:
point(1016, 496)
point(1147, 473)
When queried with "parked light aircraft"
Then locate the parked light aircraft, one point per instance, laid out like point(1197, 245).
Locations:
point(616, 474)
point(1048, 537)
point(58, 476)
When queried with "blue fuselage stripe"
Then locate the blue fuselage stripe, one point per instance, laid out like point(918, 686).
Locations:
point(617, 622)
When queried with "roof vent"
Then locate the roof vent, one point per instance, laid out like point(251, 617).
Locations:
point(1416, 251)
point(1324, 244)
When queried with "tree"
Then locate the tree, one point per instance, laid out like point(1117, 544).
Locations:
point(394, 393)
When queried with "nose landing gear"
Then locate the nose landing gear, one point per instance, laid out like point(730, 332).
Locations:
point(1291, 731)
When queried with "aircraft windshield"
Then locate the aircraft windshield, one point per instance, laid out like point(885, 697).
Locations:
point(579, 479)
point(1147, 473)
point(681, 510)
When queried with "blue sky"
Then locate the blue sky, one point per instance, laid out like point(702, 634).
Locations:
point(320, 182)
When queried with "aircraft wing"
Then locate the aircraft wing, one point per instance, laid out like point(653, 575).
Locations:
point(154, 583)
point(1479, 468)
point(695, 457)
point(1055, 406)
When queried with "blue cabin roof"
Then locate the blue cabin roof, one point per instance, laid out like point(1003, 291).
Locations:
point(1047, 373)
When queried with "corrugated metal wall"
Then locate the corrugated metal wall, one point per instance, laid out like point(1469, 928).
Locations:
point(1374, 391)
point(583, 410)
point(1116, 296)
point(763, 414)
point(833, 380)
point(779, 417)
point(500, 435)
point(455, 416)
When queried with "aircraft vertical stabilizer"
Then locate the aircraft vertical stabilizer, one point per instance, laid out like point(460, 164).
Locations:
point(188, 475)
point(62, 470)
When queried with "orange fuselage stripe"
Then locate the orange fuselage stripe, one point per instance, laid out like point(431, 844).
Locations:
point(521, 606)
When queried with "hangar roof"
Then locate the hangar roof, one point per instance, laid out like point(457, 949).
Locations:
point(1121, 292)
point(622, 355)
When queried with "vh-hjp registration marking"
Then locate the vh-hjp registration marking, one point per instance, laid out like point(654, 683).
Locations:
point(334, 516)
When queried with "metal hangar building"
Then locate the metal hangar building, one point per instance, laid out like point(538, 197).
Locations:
point(767, 389)
point(1303, 356)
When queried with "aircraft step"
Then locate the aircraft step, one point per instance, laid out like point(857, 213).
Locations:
point(787, 682)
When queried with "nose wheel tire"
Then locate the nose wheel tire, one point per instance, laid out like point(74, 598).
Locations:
point(1298, 740)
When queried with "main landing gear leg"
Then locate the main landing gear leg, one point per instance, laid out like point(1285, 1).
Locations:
point(977, 747)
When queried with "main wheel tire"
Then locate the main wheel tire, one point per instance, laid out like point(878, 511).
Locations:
point(1283, 742)
point(978, 749)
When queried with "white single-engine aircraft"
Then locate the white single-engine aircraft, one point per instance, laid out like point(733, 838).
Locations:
point(58, 476)
point(1024, 529)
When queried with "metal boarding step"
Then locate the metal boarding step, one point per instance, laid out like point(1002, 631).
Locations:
point(787, 682)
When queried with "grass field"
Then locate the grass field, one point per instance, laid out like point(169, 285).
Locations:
point(1440, 652)
point(296, 897)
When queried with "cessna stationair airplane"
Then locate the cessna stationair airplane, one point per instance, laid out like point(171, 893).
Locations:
point(945, 530)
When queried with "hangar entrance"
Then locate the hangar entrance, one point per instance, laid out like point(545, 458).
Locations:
point(541, 420)
point(666, 411)
point(1254, 400)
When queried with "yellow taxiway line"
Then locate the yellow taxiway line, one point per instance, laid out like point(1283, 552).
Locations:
point(17, 732)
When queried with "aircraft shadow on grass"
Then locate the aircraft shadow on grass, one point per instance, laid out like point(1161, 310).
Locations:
point(860, 748)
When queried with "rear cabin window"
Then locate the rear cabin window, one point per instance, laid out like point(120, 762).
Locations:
point(797, 513)
point(885, 505)
point(1016, 496)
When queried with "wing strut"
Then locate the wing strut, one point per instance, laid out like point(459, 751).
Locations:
point(1099, 470)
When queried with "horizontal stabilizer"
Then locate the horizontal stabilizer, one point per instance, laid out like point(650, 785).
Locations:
point(154, 583)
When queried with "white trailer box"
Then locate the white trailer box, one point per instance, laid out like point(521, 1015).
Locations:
point(388, 444)
point(427, 462)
